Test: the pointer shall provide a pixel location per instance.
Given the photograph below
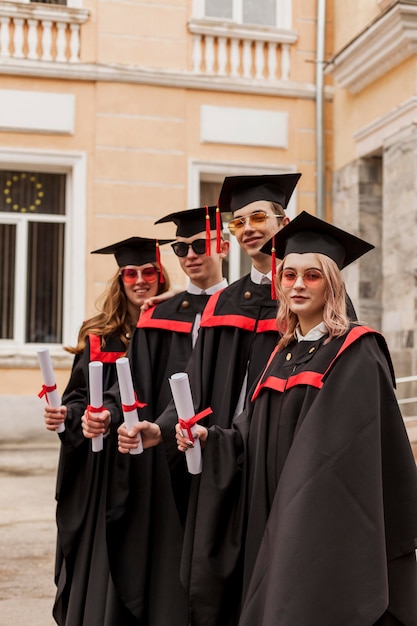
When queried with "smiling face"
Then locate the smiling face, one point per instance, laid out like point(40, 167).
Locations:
point(304, 288)
point(203, 271)
point(252, 236)
point(138, 289)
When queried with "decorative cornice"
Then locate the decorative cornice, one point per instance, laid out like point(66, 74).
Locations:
point(164, 78)
point(217, 28)
point(40, 12)
point(385, 4)
point(385, 44)
point(372, 137)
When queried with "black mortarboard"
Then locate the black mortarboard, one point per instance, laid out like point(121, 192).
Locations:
point(238, 191)
point(307, 233)
point(193, 221)
point(136, 251)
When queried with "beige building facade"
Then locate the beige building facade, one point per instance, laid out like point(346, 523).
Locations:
point(374, 179)
point(114, 113)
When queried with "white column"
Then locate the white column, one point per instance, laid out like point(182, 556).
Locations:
point(272, 60)
point(61, 42)
point(4, 36)
point(18, 38)
point(46, 40)
point(285, 61)
point(33, 39)
point(74, 43)
point(247, 58)
point(209, 56)
point(234, 58)
point(197, 54)
point(222, 55)
point(259, 60)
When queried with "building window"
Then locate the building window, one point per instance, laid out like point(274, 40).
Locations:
point(259, 12)
point(32, 236)
point(42, 251)
point(61, 2)
point(206, 180)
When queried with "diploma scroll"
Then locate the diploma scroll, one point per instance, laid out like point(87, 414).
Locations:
point(95, 374)
point(127, 394)
point(49, 384)
point(181, 392)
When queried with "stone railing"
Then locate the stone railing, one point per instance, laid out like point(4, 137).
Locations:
point(238, 51)
point(41, 32)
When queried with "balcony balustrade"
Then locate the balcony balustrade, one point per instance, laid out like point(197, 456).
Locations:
point(241, 52)
point(41, 32)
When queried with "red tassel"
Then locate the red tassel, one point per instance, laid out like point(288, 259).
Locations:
point(273, 270)
point(158, 260)
point(218, 230)
point(208, 234)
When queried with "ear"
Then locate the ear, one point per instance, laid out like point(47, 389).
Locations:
point(224, 249)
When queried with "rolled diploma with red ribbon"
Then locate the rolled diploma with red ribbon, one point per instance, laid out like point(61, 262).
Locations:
point(127, 395)
point(48, 376)
point(181, 392)
point(95, 375)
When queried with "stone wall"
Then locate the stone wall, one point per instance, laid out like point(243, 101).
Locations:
point(376, 198)
point(399, 248)
point(357, 207)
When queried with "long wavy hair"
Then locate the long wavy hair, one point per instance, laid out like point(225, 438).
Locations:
point(334, 312)
point(113, 317)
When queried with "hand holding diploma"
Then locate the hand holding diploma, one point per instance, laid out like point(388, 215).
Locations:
point(130, 404)
point(181, 392)
point(49, 385)
point(95, 372)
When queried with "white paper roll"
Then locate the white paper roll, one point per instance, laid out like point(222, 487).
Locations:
point(48, 376)
point(127, 395)
point(95, 373)
point(181, 392)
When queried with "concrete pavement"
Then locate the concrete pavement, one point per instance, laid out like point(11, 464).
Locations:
point(28, 462)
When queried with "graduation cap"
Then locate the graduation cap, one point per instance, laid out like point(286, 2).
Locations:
point(238, 191)
point(193, 221)
point(307, 233)
point(136, 251)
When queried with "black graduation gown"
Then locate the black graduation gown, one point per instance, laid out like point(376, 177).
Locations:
point(144, 526)
point(309, 503)
point(85, 594)
point(164, 342)
point(237, 334)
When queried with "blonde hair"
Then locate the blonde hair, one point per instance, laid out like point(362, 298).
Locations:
point(278, 209)
point(334, 312)
point(114, 317)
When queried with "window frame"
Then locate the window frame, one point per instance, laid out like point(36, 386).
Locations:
point(72, 4)
point(74, 166)
point(217, 171)
point(283, 13)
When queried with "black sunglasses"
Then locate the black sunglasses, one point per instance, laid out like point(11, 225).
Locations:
point(181, 248)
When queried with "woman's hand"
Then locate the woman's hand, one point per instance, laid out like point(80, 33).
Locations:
point(166, 295)
point(94, 424)
point(129, 440)
point(183, 441)
point(54, 417)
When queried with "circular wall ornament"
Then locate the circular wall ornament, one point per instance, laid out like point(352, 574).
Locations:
point(23, 193)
